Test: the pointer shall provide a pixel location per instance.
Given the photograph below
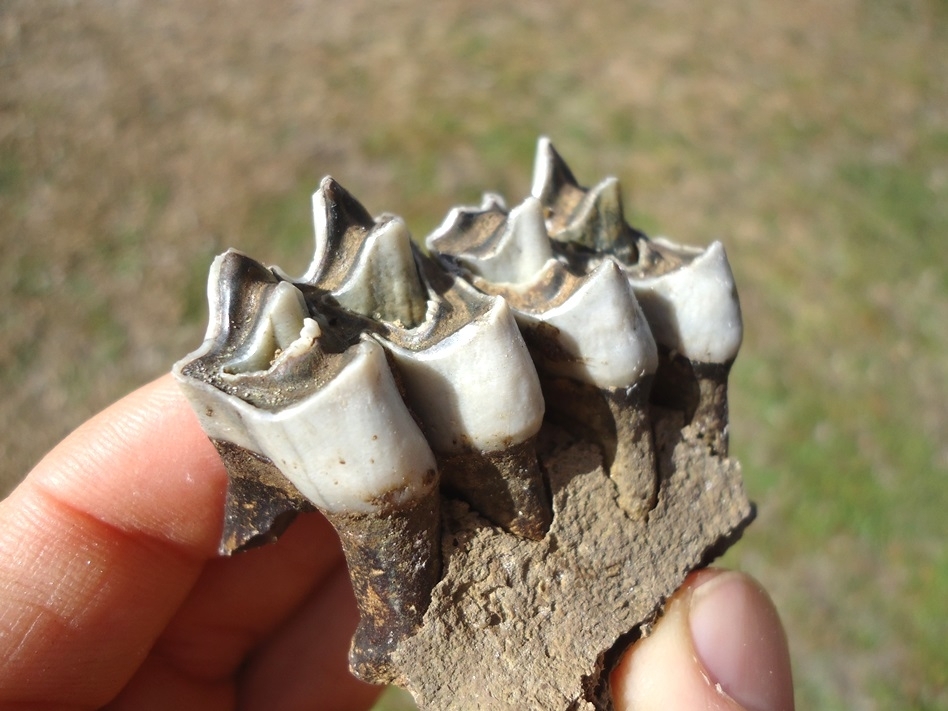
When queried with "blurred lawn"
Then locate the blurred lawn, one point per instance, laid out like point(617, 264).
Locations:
point(137, 140)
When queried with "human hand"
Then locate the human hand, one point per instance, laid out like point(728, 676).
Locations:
point(718, 647)
point(111, 594)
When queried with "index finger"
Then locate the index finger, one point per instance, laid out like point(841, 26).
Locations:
point(99, 546)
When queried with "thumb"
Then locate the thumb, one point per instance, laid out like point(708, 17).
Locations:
point(719, 646)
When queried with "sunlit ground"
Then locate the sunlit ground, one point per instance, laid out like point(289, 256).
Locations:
point(139, 139)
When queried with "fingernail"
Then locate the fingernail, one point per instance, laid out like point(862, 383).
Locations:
point(738, 638)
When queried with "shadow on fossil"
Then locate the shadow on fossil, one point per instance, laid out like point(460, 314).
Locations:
point(521, 438)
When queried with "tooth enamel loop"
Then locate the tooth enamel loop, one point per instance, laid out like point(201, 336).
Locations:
point(350, 447)
point(512, 248)
point(602, 326)
point(279, 326)
point(687, 294)
point(597, 221)
point(383, 282)
point(694, 310)
point(476, 388)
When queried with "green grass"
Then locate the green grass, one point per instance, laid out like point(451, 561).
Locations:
point(812, 139)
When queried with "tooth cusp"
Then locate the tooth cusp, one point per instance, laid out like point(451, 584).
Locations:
point(385, 385)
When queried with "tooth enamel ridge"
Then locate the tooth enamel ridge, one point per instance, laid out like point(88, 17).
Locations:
point(384, 386)
point(366, 265)
point(688, 294)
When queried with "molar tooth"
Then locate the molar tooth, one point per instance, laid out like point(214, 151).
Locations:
point(592, 219)
point(324, 426)
point(614, 359)
point(687, 294)
point(553, 181)
point(485, 444)
point(469, 377)
point(696, 316)
point(601, 324)
point(587, 336)
point(509, 249)
point(694, 309)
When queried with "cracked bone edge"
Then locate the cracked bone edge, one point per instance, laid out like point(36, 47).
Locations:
point(367, 265)
point(477, 387)
point(512, 248)
point(694, 310)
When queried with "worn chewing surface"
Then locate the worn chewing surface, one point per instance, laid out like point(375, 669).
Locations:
point(521, 624)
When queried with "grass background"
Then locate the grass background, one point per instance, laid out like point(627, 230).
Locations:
point(137, 140)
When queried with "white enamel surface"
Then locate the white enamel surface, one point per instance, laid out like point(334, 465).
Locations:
point(346, 445)
point(542, 168)
point(282, 319)
point(321, 231)
point(477, 387)
point(521, 250)
point(694, 310)
point(384, 282)
point(602, 325)
point(220, 414)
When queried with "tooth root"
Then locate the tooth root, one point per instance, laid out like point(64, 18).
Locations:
point(695, 315)
point(350, 390)
point(337, 436)
point(618, 420)
point(260, 501)
point(506, 486)
point(477, 394)
point(699, 391)
point(394, 563)
point(687, 295)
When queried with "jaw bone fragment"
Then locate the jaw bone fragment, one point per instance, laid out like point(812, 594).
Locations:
point(349, 389)
point(464, 367)
point(587, 334)
point(688, 294)
point(293, 407)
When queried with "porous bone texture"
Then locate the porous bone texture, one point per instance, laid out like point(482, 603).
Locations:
point(519, 624)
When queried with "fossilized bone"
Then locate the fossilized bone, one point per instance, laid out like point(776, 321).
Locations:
point(520, 440)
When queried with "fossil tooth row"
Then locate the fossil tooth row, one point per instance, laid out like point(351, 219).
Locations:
point(688, 294)
point(384, 379)
point(591, 345)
